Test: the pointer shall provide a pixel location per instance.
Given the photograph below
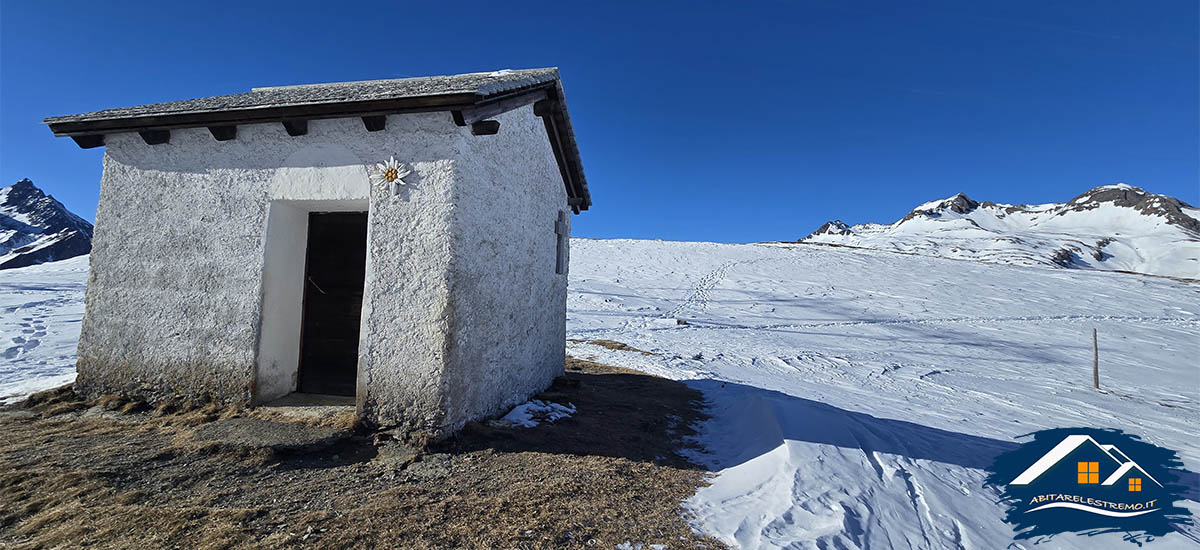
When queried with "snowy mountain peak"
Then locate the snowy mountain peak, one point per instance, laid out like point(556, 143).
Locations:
point(24, 184)
point(1172, 210)
point(835, 227)
point(960, 203)
point(35, 228)
point(1117, 227)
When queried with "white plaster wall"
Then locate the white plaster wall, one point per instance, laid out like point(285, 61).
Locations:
point(402, 347)
point(176, 292)
point(197, 265)
point(172, 301)
point(508, 306)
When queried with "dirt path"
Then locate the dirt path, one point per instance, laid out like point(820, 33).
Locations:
point(103, 475)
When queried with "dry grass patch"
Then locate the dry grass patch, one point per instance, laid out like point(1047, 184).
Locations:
point(108, 474)
point(611, 344)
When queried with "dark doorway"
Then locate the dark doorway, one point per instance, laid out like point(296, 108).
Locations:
point(334, 269)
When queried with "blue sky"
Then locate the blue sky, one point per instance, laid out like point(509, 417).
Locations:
point(696, 121)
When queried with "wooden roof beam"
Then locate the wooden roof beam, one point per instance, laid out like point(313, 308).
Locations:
point(375, 123)
point(296, 127)
point(483, 111)
point(155, 137)
point(223, 133)
point(89, 141)
point(485, 128)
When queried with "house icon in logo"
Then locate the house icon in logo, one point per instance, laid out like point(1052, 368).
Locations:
point(1094, 465)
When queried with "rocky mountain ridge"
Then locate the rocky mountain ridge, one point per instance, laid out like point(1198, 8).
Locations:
point(36, 228)
point(1112, 227)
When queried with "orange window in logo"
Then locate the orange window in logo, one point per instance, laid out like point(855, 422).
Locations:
point(1135, 484)
point(1089, 472)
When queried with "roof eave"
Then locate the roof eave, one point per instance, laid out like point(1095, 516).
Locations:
point(89, 132)
point(65, 126)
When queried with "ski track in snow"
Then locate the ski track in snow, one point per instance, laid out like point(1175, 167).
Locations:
point(856, 395)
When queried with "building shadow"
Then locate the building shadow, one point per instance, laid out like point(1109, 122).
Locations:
point(752, 421)
point(622, 413)
point(619, 413)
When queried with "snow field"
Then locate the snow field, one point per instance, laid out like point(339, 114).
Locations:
point(857, 395)
point(41, 307)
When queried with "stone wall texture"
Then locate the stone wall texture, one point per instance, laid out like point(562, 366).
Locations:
point(463, 314)
point(508, 307)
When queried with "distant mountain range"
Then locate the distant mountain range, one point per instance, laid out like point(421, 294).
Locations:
point(1114, 228)
point(35, 228)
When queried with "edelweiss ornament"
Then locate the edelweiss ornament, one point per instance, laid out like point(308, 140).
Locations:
point(391, 172)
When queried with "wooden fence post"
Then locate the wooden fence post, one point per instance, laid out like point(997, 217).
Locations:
point(1095, 362)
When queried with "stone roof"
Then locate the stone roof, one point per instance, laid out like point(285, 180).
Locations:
point(476, 95)
point(482, 85)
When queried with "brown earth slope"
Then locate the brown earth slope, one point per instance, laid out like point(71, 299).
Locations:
point(109, 474)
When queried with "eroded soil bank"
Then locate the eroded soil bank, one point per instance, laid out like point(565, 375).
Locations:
point(110, 474)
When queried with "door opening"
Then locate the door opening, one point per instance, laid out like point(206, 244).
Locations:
point(334, 270)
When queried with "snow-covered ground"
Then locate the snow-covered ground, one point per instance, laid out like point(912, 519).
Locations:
point(856, 395)
point(40, 310)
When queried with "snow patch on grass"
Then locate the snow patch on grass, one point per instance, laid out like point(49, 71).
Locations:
point(536, 411)
point(640, 546)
